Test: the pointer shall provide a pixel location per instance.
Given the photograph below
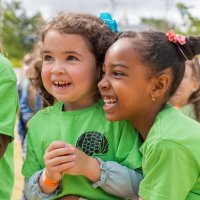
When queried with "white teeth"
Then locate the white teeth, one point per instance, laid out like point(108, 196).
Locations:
point(61, 83)
point(109, 101)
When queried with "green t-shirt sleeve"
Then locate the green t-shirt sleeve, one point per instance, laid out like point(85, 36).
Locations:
point(170, 172)
point(9, 105)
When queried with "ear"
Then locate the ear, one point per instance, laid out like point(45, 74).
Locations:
point(161, 84)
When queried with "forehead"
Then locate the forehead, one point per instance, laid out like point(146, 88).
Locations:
point(122, 50)
point(53, 38)
point(122, 44)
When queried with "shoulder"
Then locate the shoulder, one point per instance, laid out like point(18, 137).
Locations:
point(47, 114)
point(172, 124)
point(6, 70)
point(5, 63)
point(165, 152)
point(166, 146)
point(174, 163)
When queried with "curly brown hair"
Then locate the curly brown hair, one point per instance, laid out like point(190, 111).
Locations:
point(96, 33)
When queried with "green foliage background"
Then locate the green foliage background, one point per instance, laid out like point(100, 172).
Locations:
point(190, 24)
point(18, 30)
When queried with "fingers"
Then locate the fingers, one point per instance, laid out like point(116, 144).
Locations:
point(62, 167)
point(58, 148)
point(59, 156)
point(60, 160)
point(59, 152)
point(57, 145)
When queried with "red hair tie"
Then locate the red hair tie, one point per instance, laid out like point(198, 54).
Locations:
point(176, 38)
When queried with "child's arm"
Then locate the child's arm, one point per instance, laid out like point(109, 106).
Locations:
point(40, 187)
point(110, 176)
point(57, 158)
point(32, 189)
point(109, 173)
point(119, 180)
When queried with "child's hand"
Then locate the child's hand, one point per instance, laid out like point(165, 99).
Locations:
point(83, 165)
point(58, 157)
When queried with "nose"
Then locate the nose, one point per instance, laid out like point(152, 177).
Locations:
point(58, 68)
point(104, 84)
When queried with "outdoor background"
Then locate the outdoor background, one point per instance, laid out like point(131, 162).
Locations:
point(19, 22)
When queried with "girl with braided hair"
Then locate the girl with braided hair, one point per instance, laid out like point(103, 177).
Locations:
point(142, 70)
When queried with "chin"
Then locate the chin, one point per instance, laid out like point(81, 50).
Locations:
point(113, 117)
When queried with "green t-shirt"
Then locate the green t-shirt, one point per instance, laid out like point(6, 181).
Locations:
point(171, 158)
point(189, 111)
point(8, 109)
point(89, 130)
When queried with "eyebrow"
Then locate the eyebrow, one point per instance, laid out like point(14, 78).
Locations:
point(64, 52)
point(119, 65)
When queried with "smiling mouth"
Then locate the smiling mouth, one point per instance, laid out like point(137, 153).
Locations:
point(61, 84)
point(109, 102)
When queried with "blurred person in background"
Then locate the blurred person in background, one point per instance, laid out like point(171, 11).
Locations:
point(187, 97)
point(30, 99)
point(22, 90)
point(8, 111)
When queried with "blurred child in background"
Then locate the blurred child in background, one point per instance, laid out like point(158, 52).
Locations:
point(187, 97)
point(29, 96)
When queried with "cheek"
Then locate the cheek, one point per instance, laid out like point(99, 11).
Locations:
point(45, 76)
point(124, 91)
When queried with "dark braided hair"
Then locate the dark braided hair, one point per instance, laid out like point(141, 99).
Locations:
point(157, 52)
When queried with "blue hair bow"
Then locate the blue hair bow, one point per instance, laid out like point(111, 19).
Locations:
point(112, 24)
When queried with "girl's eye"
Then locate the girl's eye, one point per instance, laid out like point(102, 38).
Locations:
point(71, 58)
point(118, 73)
point(47, 58)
